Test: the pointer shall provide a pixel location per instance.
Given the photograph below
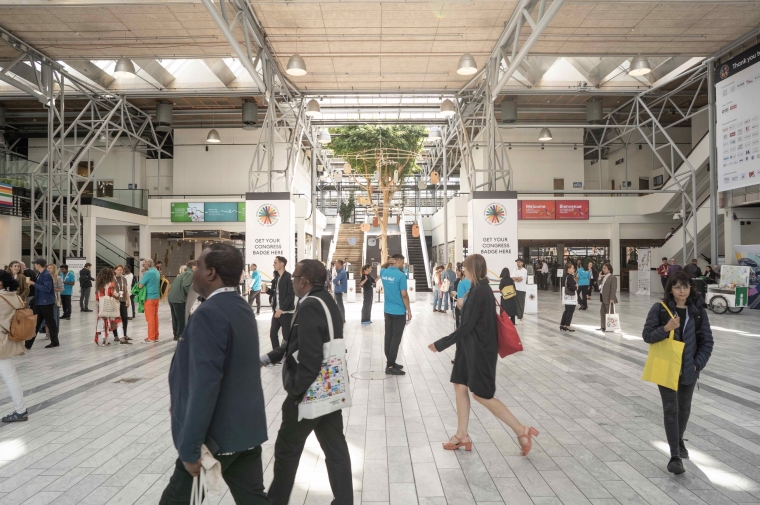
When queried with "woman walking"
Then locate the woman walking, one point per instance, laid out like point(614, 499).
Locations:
point(131, 281)
point(681, 311)
point(607, 293)
point(570, 290)
point(14, 268)
point(10, 301)
point(104, 286)
point(57, 289)
point(122, 292)
point(367, 284)
point(476, 355)
point(508, 294)
point(584, 280)
point(437, 295)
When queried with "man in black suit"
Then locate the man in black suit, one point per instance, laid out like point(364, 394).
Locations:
point(283, 302)
point(85, 286)
point(216, 396)
point(302, 365)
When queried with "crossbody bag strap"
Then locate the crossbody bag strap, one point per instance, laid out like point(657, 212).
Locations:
point(672, 332)
point(329, 320)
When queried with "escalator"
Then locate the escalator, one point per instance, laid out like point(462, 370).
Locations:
point(110, 255)
point(416, 259)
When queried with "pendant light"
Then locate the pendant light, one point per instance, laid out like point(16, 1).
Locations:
point(324, 137)
point(467, 65)
point(422, 184)
point(545, 134)
point(639, 66)
point(296, 64)
point(124, 69)
point(213, 135)
point(434, 134)
point(447, 108)
point(313, 109)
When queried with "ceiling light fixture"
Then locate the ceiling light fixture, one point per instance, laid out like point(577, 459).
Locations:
point(448, 108)
point(296, 66)
point(545, 134)
point(467, 65)
point(434, 134)
point(324, 137)
point(312, 109)
point(124, 69)
point(213, 136)
point(639, 66)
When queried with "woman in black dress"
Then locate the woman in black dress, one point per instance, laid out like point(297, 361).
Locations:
point(508, 294)
point(367, 282)
point(476, 355)
point(571, 288)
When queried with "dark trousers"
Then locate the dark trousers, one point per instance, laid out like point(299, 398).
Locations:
point(242, 472)
point(178, 319)
point(339, 301)
point(676, 406)
point(664, 281)
point(567, 316)
point(394, 330)
point(457, 315)
point(132, 303)
point(255, 295)
point(66, 305)
point(289, 446)
point(279, 322)
point(583, 296)
point(123, 313)
point(45, 313)
point(520, 301)
point(84, 299)
point(367, 305)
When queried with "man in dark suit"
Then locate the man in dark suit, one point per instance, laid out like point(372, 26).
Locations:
point(44, 303)
point(85, 286)
point(283, 302)
point(216, 396)
point(302, 365)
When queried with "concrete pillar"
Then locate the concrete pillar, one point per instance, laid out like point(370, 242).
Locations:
point(89, 236)
point(10, 239)
point(615, 249)
point(459, 238)
point(144, 246)
point(301, 234)
point(198, 250)
point(732, 235)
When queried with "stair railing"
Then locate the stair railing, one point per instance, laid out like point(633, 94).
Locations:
point(402, 229)
point(423, 244)
point(333, 242)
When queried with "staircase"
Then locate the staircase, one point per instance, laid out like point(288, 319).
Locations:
point(414, 250)
point(353, 252)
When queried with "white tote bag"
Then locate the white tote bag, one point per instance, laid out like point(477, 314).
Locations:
point(330, 392)
point(108, 306)
point(612, 320)
point(569, 299)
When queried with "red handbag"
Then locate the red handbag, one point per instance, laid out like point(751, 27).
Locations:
point(509, 340)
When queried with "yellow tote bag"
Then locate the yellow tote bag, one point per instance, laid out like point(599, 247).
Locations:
point(663, 364)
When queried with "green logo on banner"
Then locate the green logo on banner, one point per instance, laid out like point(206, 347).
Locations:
point(741, 297)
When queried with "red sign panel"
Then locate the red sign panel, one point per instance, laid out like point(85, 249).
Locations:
point(572, 209)
point(532, 210)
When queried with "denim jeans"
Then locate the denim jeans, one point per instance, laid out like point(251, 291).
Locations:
point(676, 406)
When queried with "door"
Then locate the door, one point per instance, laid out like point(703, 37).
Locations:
point(643, 184)
point(559, 184)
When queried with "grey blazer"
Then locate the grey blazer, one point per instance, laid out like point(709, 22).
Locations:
point(609, 290)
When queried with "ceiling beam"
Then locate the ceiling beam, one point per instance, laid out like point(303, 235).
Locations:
point(594, 69)
point(157, 71)
point(533, 68)
point(91, 71)
point(220, 70)
point(663, 66)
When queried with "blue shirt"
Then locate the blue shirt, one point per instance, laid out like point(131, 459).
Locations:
point(394, 282)
point(151, 280)
point(583, 277)
point(44, 293)
point(463, 288)
point(256, 280)
point(341, 281)
point(68, 290)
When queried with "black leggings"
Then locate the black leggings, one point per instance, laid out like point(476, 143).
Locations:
point(583, 298)
point(567, 316)
point(676, 406)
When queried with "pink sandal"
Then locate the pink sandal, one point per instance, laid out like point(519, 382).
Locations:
point(465, 442)
point(528, 434)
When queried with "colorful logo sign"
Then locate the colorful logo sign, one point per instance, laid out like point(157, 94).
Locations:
point(495, 213)
point(267, 214)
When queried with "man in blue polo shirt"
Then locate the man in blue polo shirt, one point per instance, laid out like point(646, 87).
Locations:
point(68, 290)
point(397, 310)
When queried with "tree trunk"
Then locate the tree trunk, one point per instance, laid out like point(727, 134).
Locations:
point(384, 228)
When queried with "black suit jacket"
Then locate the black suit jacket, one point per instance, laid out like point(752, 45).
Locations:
point(85, 278)
point(287, 295)
point(307, 334)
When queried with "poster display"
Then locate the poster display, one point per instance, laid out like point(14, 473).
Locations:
point(737, 86)
point(208, 212)
point(645, 258)
point(533, 210)
point(749, 256)
point(6, 195)
point(75, 266)
point(492, 230)
point(539, 210)
point(572, 209)
point(269, 231)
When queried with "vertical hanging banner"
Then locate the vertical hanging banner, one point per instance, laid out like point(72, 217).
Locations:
point(269, 231)
point(645, 257)
point(492, 229)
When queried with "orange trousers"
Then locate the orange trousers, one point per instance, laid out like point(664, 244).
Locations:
point(151, 316)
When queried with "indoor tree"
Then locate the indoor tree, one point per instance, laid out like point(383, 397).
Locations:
point(379, 158)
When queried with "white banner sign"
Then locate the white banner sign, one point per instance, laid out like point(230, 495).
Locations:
point(645, 257)
point(493, 230)
point(75, 266)
point(269, 231)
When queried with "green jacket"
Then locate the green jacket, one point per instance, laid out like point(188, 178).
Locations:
point(140, 295)
point(180, 287)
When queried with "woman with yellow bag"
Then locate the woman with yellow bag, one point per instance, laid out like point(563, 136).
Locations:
point(681, 344)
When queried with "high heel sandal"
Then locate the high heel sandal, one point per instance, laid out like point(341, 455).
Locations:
point(528, 434)
point(449, 446)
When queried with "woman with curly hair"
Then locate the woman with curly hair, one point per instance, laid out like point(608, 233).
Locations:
point(104, 287)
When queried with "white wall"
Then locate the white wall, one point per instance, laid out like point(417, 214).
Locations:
point(10, 239)
point(751, 233)
point(117, 235)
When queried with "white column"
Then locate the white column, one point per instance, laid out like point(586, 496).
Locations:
point(198, 249)
point(10, 238)
point(459, 237)
point(89, 235)
point(144, 246)
point(615, 249)
point(301, 232)
point(732, 235)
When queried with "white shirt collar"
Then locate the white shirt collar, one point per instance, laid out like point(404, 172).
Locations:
point(221, 290)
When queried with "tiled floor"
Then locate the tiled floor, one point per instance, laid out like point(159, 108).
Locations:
point(99, 425)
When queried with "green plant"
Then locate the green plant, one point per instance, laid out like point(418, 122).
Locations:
point(380, 158)
point(346, 209)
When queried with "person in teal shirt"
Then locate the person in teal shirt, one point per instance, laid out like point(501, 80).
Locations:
point(68, 290)
point(584, 279)
point(255, 292)
point(151, 281)
point(397, 310)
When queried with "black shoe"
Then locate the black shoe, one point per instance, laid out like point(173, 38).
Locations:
point(124, 342)
point(394, 371)
point(563, 328)
point(67, 318)
point(452, 361)
point(676, 465)
point(397, 366)
point(51, 345)
point(684, 450)
point(130, 318)
point(16, 417)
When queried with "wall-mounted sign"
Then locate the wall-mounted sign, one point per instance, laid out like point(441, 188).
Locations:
point(572, 209)
point(492, 231)
point(577, 185)
point(532, 210)
point(543, 210)
point(269, 229)
point(6, 195)
point(208, 212)
point(206, 235)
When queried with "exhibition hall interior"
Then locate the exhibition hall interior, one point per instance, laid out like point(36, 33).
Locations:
point(573, 182)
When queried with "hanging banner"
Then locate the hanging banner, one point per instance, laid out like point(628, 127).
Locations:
point(492, 231)
point(572, 209)
point(749, 256)
point(645, 257)
point(534, 210)
point(269, 231)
